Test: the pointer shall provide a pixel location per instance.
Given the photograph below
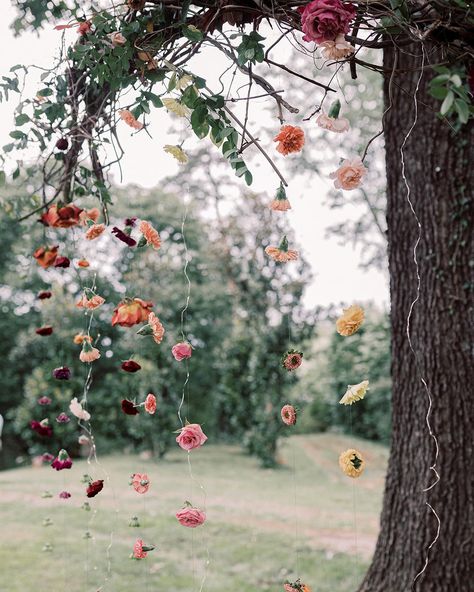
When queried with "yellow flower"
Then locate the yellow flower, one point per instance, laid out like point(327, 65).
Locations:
point(355, 392)
point(184, 81)
point(350, 321)
point(351, 462)
point(177, 152)
point(176, 107)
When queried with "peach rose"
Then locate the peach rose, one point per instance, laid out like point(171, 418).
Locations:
point(350, 174)
point(191, 436)
point(191, 517)
point(182, 351)
point(131, 311)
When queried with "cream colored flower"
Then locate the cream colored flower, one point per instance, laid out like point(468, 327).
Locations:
point(337, 49)
point(355, 392)
point(352, 463)
point(177, 153)
point(333, 124)
point(76, 409)
point(176, 107)
point(350, 321)
point(184, 81)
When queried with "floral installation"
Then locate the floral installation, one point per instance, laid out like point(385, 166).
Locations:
point(44, 331)
point(282, 254)
point(355, 392)
point(150, 404)
point(191, 436)
point(182, 351)
point(131, 311)
point(63, 418)
point(296, 586)
point(44, 401)
point(90, 300)
point(280, 202)
point(94, 488)
point(350, 320)
point(177, 153)
point(288, 415)
point(337, 49)
point(350, 174)
point(290, 139)
point(88, 354)
point(140, 550)
point(332, 121)
point(62, 461)
point(129, 408)
point(140, 482)
point(44, 295)
point(352, 463)
point(61, 216)
point(46, 256)
point(62, 373)
point(324, 20)
point(94, 231)
point(78, 411)
point(150, 236)
point(64, 495)
point(292, 360)
point(124, 235)
point(131, 366)
point(190, 517)
point(42, 428)
point(130, 119)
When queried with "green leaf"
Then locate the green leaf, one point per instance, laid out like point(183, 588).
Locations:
point(439, 92)
point(192, 34)
point(45, 92)
point(17, 135)
point(456, 80)
point(462, 109)
point(447, 103)
point(22, 119)
point(155, 99)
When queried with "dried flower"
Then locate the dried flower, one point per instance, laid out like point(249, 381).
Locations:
point(94, 488)
point(350, 174)
point(350, 321)
point(282, 254)
point(83, 440)
point(88, 354)
point(61, 216)
point(191, 436)
point(140, 482)
point(184, 81)
point(150, 404)
point(355, 392)
point(84, 27)
point(62, 461)
point(63, 418)
point(288, 415)
point(280, 203)
point(128, 117)
point(88, 216)
point(94, 231)
point(352, 463)
point(62, 144)
point(42, 428)
point(78, 411)
point(128, 407)
point(176, 152)
point(337, 49)
point(131, 312)
point(46, 256)
point(150, 234)
point(62, 373)
point(131, 366)
point(44, 401)
point(290, 139)
point(63, 262)
point(44, 331)
point(296, 587)
point(175, 107)
point(182, 351)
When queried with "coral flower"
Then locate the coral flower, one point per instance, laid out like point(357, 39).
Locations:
point(140, 551)
point(355, 392)
point(94, 488)
point(44, 295)
point(43, 331)
point(83, 263)
point(140, 482)
point(157, 327)
point(63, 262)
point(292, 360)
point(46, 256)
point(61, 217)
point(42, 428)
point(129, 408)
point(349, 175)
point(176, 152)
point(88, 216)
point(352, 463)
point(280, 202)
point(131, 366)
point(131, 312)
point(150, 404)
point(150, 234)
point(282, 254)
point(84, 27)
point(79, 338)
point(337, 49)
point(296, 587)
point(288, 415)
point(88, 354)
point(94, 231)
point(182, 351)
point(128, 117)
point(62, 373)
point(190, 517)
point(191, 436)
point(62, 461)
point(290, 139)
point(339, 125)
point(350, 321)
point(90, 300)
point(78, 411)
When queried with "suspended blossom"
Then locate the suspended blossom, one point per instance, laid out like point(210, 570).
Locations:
point(292, 360)
point(131, 366)
point(124, 236)
point(128, 117)
point(190, 517)
point(150, 404)
point(140, 550)
point(90, 300)
point(280, 202)
point(296, 587)
point(83, 263)
point(282, 254)
point(337, 49)
point(350, 174)
point(150, 234)
point(63, 262)
point(94, 231)
point(176, 107)
point(83, 440)
point(62, 461)
point(62, 373)
point(323, 20)
point(355, 392)
point(131, 312)
point(332, 121)
point(352, 463)
point(79, 338)
point(88, 216)
point(350, 320)
point(140, 482)
point(117, 39)
point(47, 457)
point(61, 217)
point(153, 328)
point(46, 256)
point(129, 408)
point(290, 139)
point(176, 152)
point(44, 295)
point(64, 495)
point(288, 414)
point(181, 351)
point(191, 436)
point(42, 428)
point(94, 488)
point(88, 354)
point(77, 410)
point(63, 418)
point(44, 331)
point(44, 401)
point(184, 81)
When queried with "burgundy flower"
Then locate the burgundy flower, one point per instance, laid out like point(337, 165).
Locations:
point(129, 408)
point(43, 331)
point(94, 488)
point(62, 144)
point(44, 294)
point(47, 457)
point(130, 221)
point(62, 461)
point(62, 262)
point(64, 495)
point(63, 418)
point(124, 237)
point(62, 373)
point(44, 401)
point(42, 428)
point(324, 20)
point(131, 366)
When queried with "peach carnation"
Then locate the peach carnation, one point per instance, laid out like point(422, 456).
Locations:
point(88, 354)
point(350, 174)
point(350, 320)
point(280, 203)
point(128, 117)
point(140, 482)
point(288, 415)
point(157, 327)
point(290, 139)
point(355, 392)
point(282, 254)
point(94, 231)
point(150, 404)
point(150, 234)
point(90, 300)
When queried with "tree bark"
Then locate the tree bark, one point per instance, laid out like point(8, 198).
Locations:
point(440, 172)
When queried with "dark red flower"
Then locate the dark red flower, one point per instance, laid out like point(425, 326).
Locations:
point(62, 262)
point(46, 330)
point(129, 408)
point(42, 428)
point(64, 495)
point(131, 366)
point(62, 144)
point(62, 373)
point(124, 237)
point(130, 221)
point(44, 294)
point(94, 488)
point(62, 461)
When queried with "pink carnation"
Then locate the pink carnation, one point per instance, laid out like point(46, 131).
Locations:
point(324, 20)
point(191, 517)
point(181, 351)
point(191, 436)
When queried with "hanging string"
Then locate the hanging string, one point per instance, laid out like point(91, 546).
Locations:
point(185, 309)
point(432, 467)
point(354, 512)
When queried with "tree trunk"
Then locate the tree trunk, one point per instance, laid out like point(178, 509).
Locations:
point(440, 172)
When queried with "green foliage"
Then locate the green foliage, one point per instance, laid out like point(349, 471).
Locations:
point(250, 49)
point(450, 86)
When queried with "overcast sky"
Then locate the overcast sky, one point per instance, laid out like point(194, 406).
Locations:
point(335, 267)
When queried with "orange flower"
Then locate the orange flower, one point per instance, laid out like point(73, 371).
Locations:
point(130, 119)
point(150, 234)
point(290, 138)
point(80, 338)
point(280, 203)
point(89, 215)
point(83, 263)
point(90, 300)
point(157, 327)
point(282, 254)
point(61, 217)
point(88, 354)
point(46, 256)
point(94, 231)
point(131, 311)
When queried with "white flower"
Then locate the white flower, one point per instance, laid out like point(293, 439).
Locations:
point(355, 392)
point(333, 124)
point(175, 107)
point(76, 409)
point(183, 82)
point(337, 49)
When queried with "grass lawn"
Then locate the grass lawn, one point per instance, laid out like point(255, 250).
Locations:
point(253, 534)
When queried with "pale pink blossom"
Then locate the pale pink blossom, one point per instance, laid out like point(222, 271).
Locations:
point(350, 174)
point(191, 436)
point(337, 49)
point(181, 351)
point(333, 124)
point(76, 409)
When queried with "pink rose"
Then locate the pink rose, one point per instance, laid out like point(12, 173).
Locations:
point(191, 436)
point(350, 174)
point(191, 517)
point(182, 351)
point(324, 20)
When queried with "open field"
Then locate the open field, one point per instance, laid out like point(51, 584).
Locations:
point(250, 538)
